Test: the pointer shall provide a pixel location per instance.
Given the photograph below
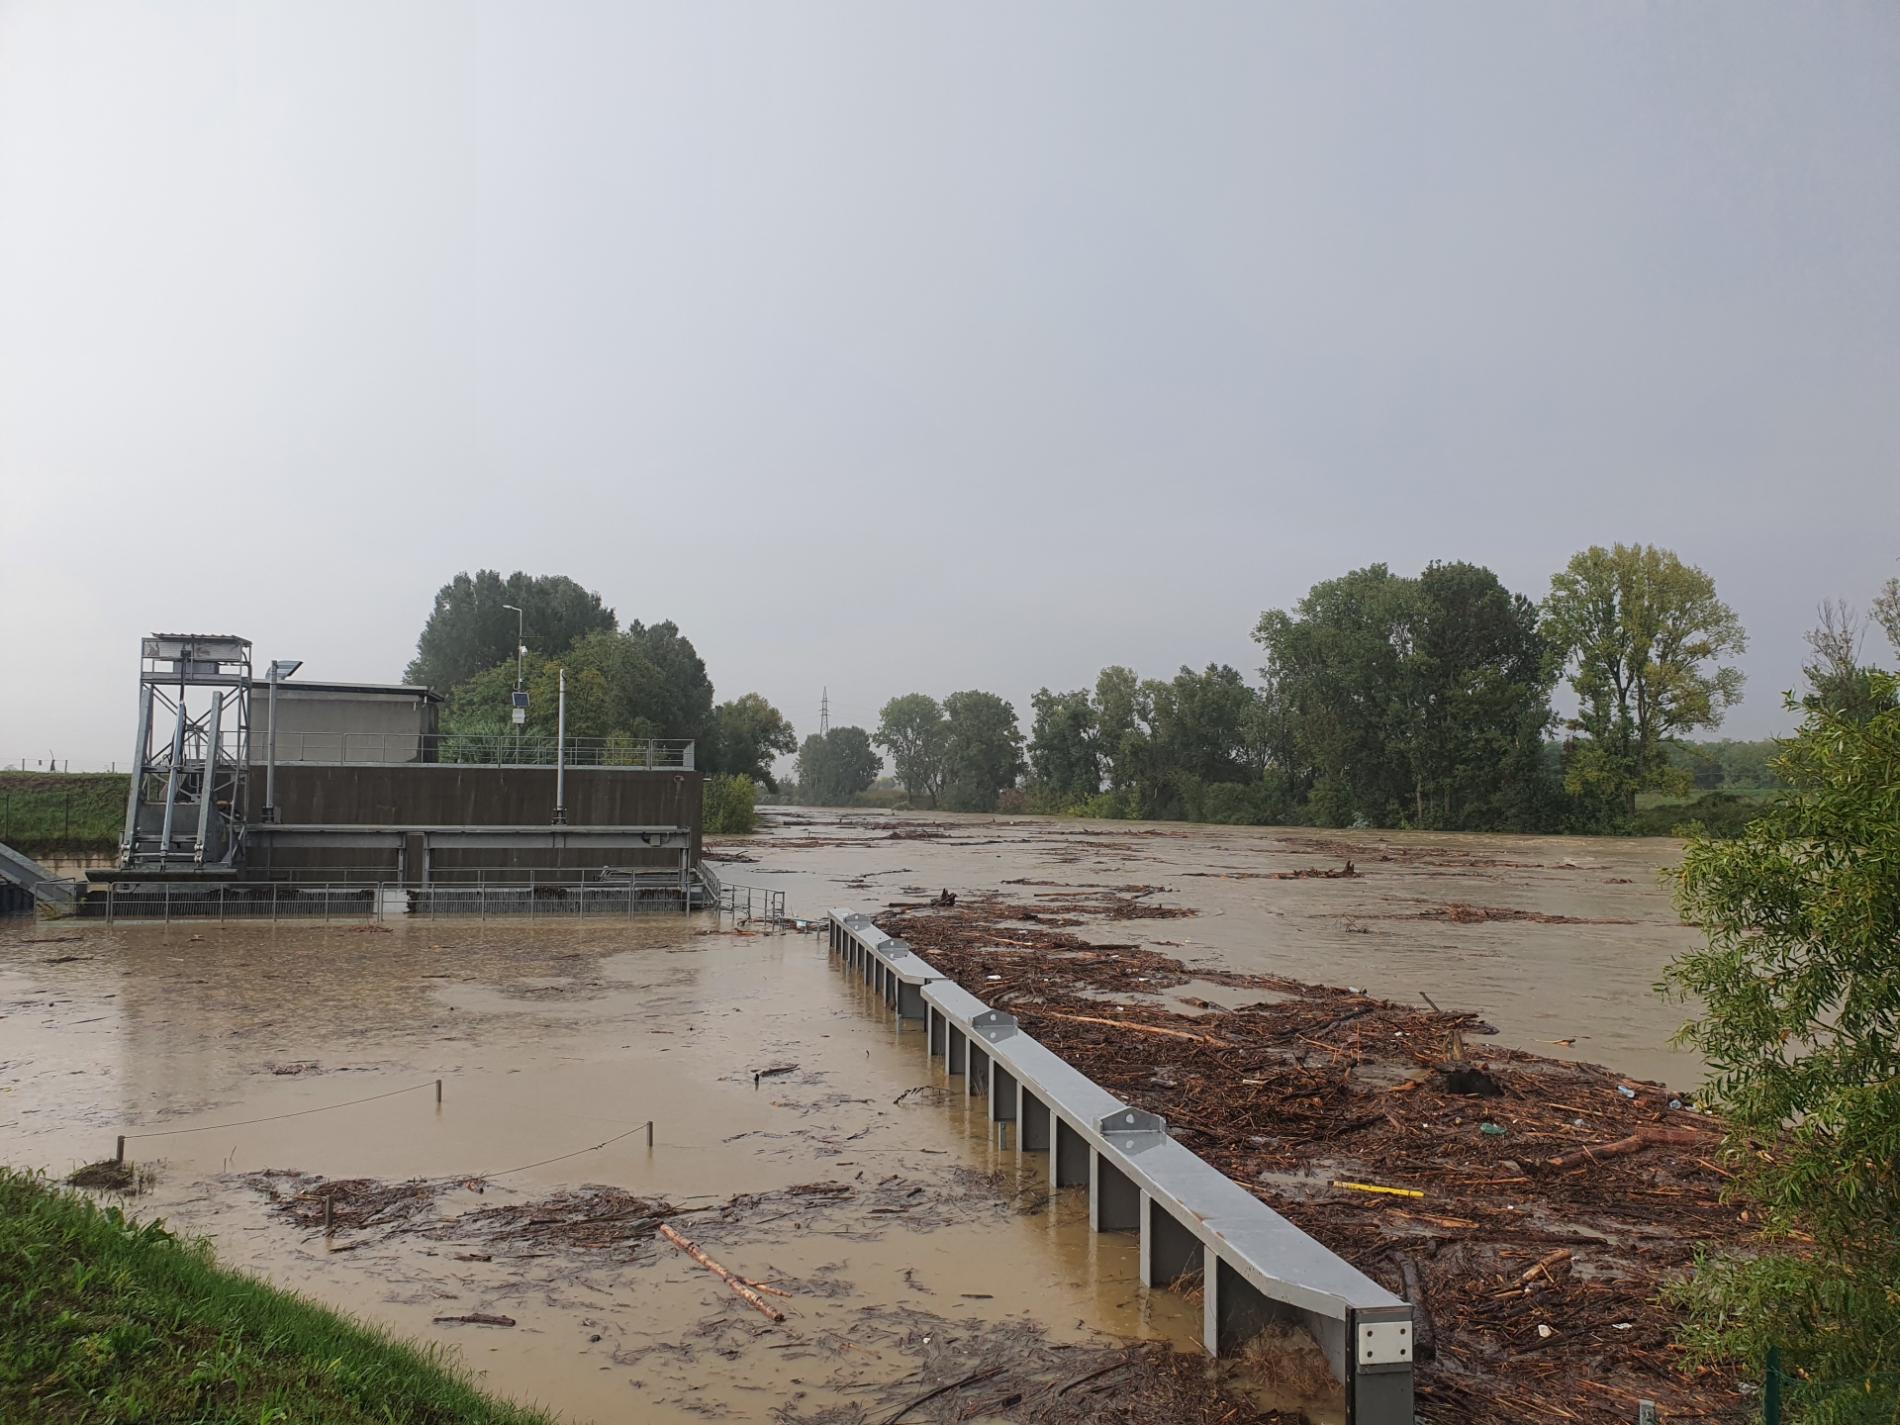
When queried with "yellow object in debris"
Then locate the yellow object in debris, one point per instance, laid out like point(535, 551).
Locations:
point(1374, 1187)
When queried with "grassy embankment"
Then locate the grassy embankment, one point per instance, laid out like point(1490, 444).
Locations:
point(106, 1319)
point(62, 813)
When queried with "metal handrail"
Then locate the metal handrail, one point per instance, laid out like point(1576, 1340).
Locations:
point(498, 749)
point(374, 901)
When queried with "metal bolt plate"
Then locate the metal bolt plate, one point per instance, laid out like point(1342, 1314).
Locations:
point(1384, 1343)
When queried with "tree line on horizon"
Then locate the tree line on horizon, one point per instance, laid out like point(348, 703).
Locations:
point(1382, 699)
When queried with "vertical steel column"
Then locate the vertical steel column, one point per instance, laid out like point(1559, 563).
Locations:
point(135, 796)
point(209, 778)
point(171, 781)
point(270, 753)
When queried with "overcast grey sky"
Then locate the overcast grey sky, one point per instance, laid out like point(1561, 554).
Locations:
point(893, 346)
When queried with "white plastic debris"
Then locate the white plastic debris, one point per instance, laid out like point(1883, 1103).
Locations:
point(1626, 1090)
point(1545, 1331)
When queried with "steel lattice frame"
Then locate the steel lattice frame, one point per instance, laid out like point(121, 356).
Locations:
point(185, 808)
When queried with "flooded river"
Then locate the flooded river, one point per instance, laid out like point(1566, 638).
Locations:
point(556, 1041)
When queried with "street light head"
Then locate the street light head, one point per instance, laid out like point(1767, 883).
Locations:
point(512, 608)
point(284, 667)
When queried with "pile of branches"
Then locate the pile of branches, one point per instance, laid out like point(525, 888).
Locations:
point(1543, 1204)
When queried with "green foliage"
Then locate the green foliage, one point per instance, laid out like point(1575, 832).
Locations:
point(1887, 611)
point(744, 737)
point(1725, 765)
point(731, 805)
point(1800, 1027)
point(1065, 755)
point(835, 768)
point(982, 750)
point(1714, 814)
point(107, 1319)
point(469, 629)
point(1645, 635)
point(62, 813)
point(645, 682)
point(912, 729)
point(1409, 701)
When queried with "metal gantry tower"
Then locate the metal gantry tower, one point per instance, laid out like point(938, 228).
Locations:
point(185, 809)
point(824, 712)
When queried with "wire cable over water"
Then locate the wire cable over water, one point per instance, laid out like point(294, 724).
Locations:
point(274, 1117)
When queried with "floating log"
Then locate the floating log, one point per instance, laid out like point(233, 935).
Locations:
point(1635, 1143)
point(746, 1293)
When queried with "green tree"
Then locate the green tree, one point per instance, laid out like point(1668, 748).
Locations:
point(645, 682)
point(744, 737)
point(983, 750)
point(1887, 611)
point(1065, 757)
point(1122, 735)
point(835, 767)
point(731, 807)
point(1339, 663)
point(1645, 635)
point(911, 728)
point(1477, 705)
point(1799, 984)
point(1408, 700)
point(469, 630)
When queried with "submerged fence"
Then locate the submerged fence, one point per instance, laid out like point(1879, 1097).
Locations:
point(356, 901)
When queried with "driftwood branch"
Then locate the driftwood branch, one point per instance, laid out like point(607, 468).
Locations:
point(746, 1293)
point(971, 1379)
point(1635, 1143)
point(1138, 1028)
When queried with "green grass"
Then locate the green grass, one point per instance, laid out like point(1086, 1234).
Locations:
point(107, 1321)
point(1646, 800)
point(55, 813)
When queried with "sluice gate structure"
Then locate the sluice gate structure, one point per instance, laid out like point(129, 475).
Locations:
point(254, 795)
point(1256, 1268)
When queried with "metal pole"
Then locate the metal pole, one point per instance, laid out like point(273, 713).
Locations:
point(560, 756)
point(210, 776)
point(135, 795)
point(270, 754)
point(171, 780)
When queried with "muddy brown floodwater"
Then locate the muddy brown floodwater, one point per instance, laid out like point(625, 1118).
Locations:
point(799, 1138)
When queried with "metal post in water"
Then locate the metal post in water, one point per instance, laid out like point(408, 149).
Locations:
point(438, 1092)
point(649, 1135)
point(119, 1157)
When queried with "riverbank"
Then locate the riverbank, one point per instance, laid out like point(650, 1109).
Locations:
point(106, 1317)
point(46, 814)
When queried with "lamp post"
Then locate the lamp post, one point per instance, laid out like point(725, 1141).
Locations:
point(521, 653)
point(521, 643)
point(280, 669)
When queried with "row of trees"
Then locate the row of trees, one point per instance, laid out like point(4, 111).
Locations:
point(1384, 698)
point(644, 680)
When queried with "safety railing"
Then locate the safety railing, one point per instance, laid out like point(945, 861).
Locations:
point(164, 902)
point(1255, 1268)
point(499, 749)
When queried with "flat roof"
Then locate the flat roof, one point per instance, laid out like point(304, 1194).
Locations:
point(391, 690)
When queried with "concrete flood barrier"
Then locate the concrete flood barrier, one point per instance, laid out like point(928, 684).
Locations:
point(1257, 1268)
